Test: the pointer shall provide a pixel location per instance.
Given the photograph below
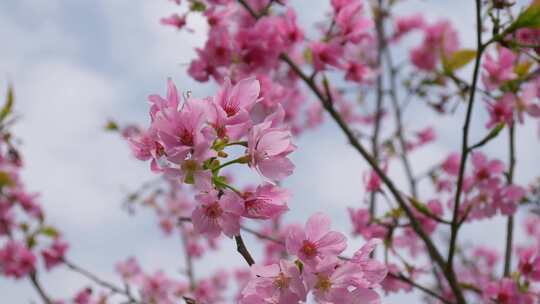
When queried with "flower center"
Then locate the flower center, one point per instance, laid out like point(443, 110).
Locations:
point(482, 174)
point(323, 283)
point(527, 268)
point(282, 282)
point(213, 210)
point(186, 137)
point(309, 249)
point(190, 165)
point(503, 297)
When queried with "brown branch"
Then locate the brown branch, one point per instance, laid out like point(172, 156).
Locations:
point(242, 249)
point(510, 222)
point(428, 291)
point(92, 277)
point(187, 257)
point(465, 139)
point(381, 44)
point(37, 285)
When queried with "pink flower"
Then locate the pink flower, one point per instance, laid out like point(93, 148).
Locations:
point(83, 297)
point(277, 283)
point(501, 110)
point(289, 29)
point(439, 38)
point(315, 241)
point(267, 202)
point(529, 264)
point(424, 58)
point(503, 292)
point(128, 269)
point(508, 198)
point(54, 255)
point(358, 72)
point(354, 27)
point(333, 283)
point(484, 169)
point(372, 181)
point(324, 54)
point(362, 225)
point(404, 25)
point(145, 146)
point(16, 260)
point(268, 148)
point(164, 106)
point(228, 112)
point(156, 288)
point(391, 284)
point(174, 20)
point(426, 136)
point(215, 214)
point(372, 272)
point(451, 164)
point(181, 133)
point(500, 70)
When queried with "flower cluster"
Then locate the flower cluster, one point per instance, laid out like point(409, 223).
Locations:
point(25, 236)
point(318, 269)
point(187, 141)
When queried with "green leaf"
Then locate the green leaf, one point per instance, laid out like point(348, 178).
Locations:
point(5, 179)
point(530, 18)
point(111, 126)
point(8, 106)
point(308, 55)
point(197, 6)
point(49, 231)
point(420, 206)
point(458, 60)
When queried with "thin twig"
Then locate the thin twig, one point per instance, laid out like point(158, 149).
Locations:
point(92, 277)
point(466, 126)
point(510, 222)
point(242, 249)
point(37, 285)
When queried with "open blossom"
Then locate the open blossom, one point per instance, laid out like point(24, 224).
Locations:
point(145, 146)
point(371, 272)
point(439, 38)
point(504, 292)
point(324, 54)
point(229, 110)
point(404, 25)
point(332, 282)
point(485, 170)
point(529, 264)
point(128, 269)
point(315, 241)
point(501, 110)
point(268, 148)
point(54, 255)
point(353, 25)
point(500, 70)
point(451, 164)
point(16, 260)
point(181, 131)
point(277, 283)
point(363, 226)
point(267, 202)
point(215, 214)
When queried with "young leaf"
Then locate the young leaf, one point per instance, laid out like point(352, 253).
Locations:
point(458, 60)
point(8, 106)
point(528, 18)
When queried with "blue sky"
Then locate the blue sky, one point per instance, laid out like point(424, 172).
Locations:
point(74, 64)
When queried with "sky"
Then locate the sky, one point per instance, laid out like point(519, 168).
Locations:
point(75, 64)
